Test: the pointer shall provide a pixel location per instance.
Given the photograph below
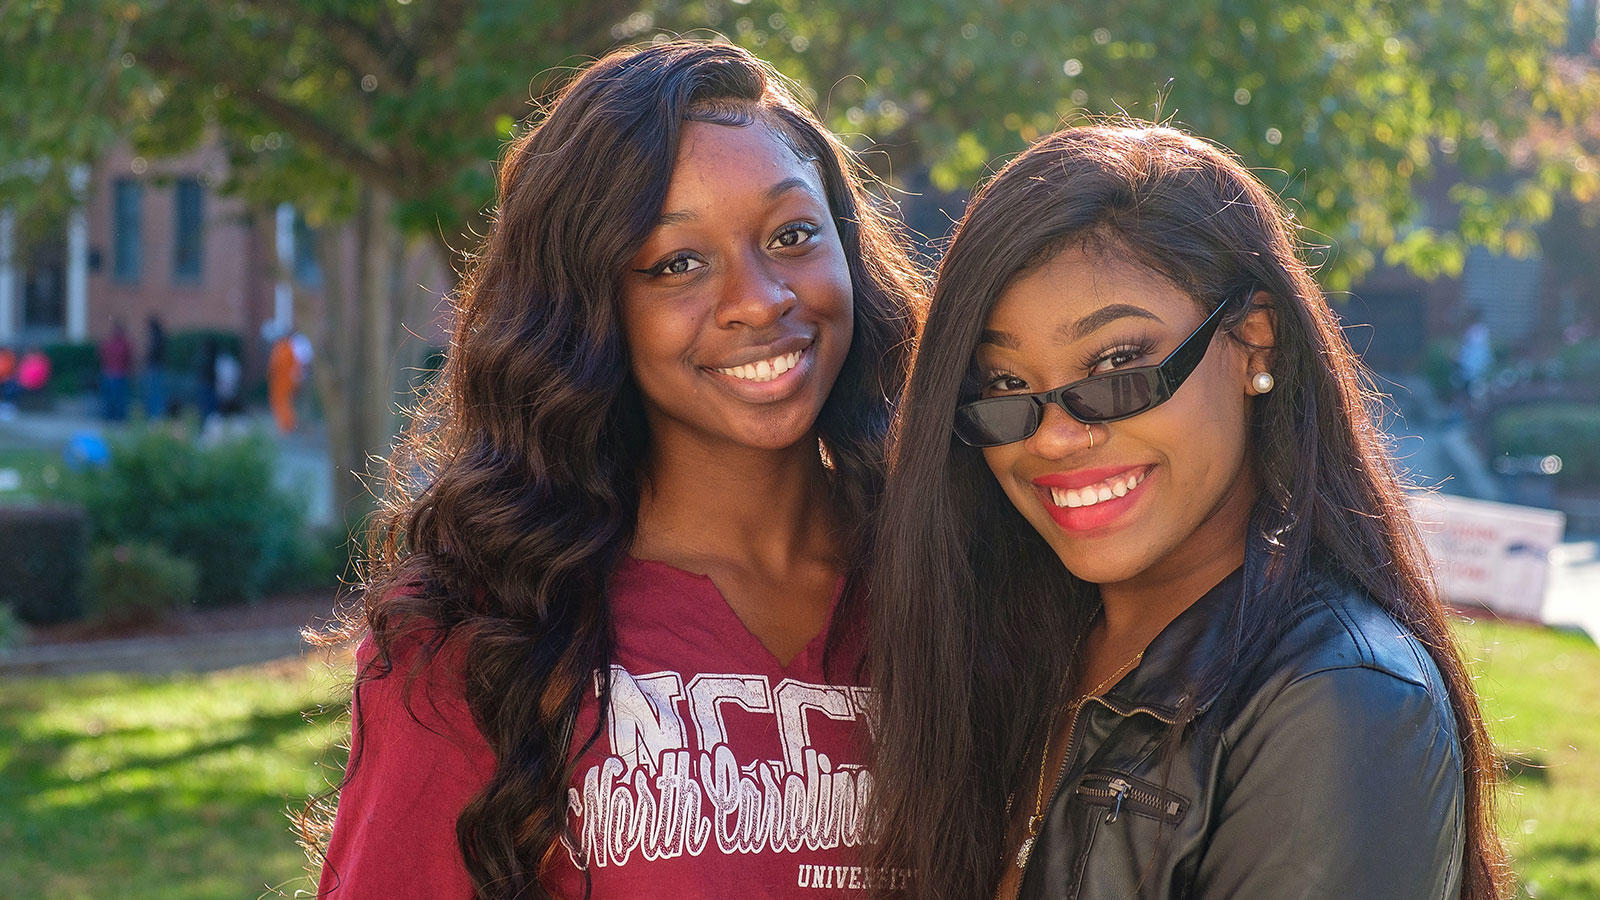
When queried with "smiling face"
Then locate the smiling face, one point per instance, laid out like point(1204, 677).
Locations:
point(738, 309)
point(1160, 497)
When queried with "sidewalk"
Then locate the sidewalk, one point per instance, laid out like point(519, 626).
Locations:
point(155, 655)
point(197, 641)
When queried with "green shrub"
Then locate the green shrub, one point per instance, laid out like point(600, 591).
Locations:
point(42, 550)
point(184, 348)
point(1580, 363)
point(74, 367)
point(138, 582)
point(214, 506)
point(12, 631)
point(1569, 430)
point(316, 560)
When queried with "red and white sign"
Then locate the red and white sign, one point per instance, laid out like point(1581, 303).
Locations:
point(1493, 555)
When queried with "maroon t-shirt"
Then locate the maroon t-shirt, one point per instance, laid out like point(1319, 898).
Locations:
point(718, 773)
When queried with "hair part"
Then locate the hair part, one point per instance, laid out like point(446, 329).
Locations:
point(946, 593)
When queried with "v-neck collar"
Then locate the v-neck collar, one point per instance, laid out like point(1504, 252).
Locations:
point(717, 606)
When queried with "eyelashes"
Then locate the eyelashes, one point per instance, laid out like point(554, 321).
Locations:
point(681, 263)
point(1118, 353)
point(1121, 353)
point(792, 237)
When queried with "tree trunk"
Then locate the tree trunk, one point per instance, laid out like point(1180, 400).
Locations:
point(364, 346)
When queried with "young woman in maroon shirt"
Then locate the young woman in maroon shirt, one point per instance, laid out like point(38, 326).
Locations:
point(611, 606)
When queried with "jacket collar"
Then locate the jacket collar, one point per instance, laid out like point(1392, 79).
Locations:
point(1178, 656)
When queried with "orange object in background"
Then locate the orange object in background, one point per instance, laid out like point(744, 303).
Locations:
point(284, 374)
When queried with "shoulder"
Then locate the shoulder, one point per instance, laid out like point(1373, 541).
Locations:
point(1337, 626)
point(415, 700)
point(1345, 666)
point(1339, 769)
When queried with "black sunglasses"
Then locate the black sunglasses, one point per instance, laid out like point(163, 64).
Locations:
point(1093, 401)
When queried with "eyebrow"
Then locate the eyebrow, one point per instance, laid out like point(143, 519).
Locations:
point(1072, 331)
point(680, 216)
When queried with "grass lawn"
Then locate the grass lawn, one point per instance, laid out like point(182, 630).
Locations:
point(1541, 694)
point(171, 787)
point(177, 788)
point(36, 471)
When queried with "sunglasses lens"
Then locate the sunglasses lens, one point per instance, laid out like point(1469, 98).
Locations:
point(999, 420)
point(1111, 397)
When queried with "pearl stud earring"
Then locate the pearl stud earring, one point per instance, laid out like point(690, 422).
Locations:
point(1262, 382)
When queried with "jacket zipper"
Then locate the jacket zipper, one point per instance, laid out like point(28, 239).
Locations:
point(1072, 737)
point(1118, 790)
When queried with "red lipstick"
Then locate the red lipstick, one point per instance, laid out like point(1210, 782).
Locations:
point(1091, 499)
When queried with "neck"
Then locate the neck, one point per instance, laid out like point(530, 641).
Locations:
point(767, 509)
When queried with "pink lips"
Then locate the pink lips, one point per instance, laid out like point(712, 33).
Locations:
point(1090, 499)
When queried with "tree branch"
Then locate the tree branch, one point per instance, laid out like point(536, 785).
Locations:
point(365, 50)
point(297, 120)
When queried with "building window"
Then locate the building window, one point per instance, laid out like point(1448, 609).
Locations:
point(127, 239)
point(1582, 26)
point(189, 229)
point(307, 270)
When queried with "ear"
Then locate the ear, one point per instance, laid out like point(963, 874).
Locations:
point(1257, 334)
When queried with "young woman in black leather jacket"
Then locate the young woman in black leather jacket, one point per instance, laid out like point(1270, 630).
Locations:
point(1152, 619)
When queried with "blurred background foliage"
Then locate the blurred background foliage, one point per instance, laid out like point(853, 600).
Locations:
point(387, 117)
point(1344, 106)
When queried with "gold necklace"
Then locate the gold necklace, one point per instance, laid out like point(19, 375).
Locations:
point(1044, 760)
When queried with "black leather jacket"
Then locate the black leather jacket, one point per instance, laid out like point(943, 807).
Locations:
point(1331, 769)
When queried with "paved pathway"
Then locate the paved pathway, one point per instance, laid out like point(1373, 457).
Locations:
point(155, 655)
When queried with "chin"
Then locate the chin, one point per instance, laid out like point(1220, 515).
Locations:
point(1106, 560)
point(1098, 569)
point(776, 436)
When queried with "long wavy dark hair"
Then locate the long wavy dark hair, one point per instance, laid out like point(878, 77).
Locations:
point(971, 606)
point(514, 492)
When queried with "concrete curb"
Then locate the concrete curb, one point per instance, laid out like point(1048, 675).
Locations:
point(155, 655)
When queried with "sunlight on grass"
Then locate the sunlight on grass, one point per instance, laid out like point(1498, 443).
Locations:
point(178, 787)
point(1541, 696)
point(174, 787)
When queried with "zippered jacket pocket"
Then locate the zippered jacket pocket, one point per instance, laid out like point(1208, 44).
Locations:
point(1121, 795)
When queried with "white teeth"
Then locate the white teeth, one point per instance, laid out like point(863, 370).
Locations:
point(1096, 493)
point(766, 369)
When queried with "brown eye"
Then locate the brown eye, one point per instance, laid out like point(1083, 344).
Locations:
point(1117, 358)
point(681, 264)
point(1001, 384)
point(794, 235)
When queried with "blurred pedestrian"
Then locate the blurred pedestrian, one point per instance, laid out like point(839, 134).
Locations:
point(116, 361)
point(155, 368)
point(8, 383)
point(205, 371)
point(1474, 357)
point(229, 378)
point(284, 376)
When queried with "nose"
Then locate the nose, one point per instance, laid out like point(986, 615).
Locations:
point(753, 294)
point(1059, 434)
